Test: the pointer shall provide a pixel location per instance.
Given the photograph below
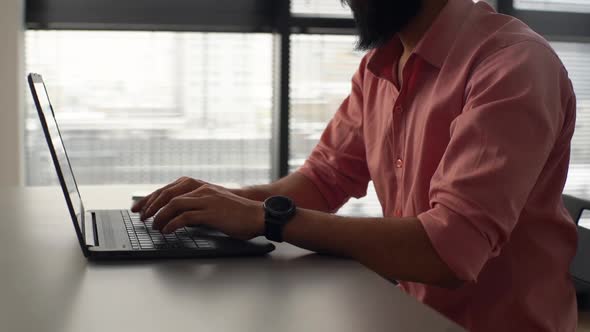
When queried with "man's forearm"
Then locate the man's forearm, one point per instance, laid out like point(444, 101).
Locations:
point(255, 193)
point(296, 186)
point(395, 248)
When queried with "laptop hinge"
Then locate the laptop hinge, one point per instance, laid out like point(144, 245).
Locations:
point(90, 231)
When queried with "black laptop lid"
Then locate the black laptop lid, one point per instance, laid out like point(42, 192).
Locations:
point(59, 155)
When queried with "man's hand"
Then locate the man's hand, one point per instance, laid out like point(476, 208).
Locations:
point(207, 205)
point(152, 203)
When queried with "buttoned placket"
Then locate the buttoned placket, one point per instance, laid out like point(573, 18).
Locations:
point(409, 75)
point(397, 134)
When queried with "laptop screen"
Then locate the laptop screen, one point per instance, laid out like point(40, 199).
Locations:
point(60, 152)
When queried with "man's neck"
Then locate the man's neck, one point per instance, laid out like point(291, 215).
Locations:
point(413, 32)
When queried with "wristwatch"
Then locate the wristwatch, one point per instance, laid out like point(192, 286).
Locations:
point(278, 211)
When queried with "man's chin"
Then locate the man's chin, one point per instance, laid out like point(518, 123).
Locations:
point(368, 42)
point(378, 21)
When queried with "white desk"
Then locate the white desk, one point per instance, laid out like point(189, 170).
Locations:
point(47, 285)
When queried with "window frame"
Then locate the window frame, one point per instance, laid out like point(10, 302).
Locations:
point(553, 25)
point(152, 15)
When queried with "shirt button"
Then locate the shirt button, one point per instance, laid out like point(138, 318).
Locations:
point(399, 163)
point(398, 108)
point(398, 213)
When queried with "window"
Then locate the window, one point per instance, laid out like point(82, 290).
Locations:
point(320, 8)
point(575, 58)
point(322, 68)
point(321, 72)
point(554, 5)
point(148, 107)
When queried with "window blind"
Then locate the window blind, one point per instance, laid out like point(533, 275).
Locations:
point(575, 58)
point(149, 107)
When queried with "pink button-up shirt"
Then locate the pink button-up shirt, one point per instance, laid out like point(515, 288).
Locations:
point(476, 144)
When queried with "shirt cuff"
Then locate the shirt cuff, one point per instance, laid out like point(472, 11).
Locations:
point(458, 243)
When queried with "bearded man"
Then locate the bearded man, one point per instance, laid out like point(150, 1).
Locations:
point(462, 118)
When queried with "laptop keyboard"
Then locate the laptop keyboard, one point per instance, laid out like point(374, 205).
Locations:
point(142, 236)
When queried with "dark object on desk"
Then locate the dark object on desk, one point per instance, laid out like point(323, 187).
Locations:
point(579, 209)
point(119, 234)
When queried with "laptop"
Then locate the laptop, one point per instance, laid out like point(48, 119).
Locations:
point(119, 234)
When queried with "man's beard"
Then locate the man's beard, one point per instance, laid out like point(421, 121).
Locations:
point(377, 21)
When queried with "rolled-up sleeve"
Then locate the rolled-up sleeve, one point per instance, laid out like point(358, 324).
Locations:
point(337, 165)
point(498, 147)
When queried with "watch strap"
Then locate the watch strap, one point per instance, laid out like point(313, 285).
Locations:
point(273, 229)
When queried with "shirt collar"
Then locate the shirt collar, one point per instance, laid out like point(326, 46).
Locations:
point(434, 45)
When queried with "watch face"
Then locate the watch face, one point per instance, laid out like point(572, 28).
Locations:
point(279, 204)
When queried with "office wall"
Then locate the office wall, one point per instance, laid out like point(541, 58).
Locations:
point(11, 90)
